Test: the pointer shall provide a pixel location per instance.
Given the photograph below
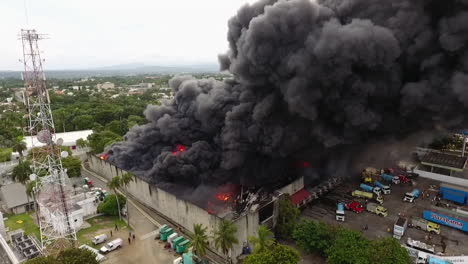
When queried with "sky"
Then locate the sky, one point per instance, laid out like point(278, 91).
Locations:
point(85, 34)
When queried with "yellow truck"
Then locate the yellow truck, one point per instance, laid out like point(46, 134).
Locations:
point(367, 195)
point(369, 174)
point(377, 209)
point(425, 225)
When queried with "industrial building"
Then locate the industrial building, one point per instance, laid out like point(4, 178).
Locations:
point(14, 198)
point(260, 209)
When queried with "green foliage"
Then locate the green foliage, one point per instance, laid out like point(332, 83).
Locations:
point(389, 251)
point(19, 146)
point(109, 206)
point(225, 235)
point(22, 171)
point(447, 142)
point(67, 256)
point(278, 254)
point(5, 154)
point(349, 247)
point(118, 127)
point(73, 166)
point(82, 143)
point(263, 241)
point(200, 239)
point(288, 217)
point(314, 237)
point(126, 178)
point(83, 122)
point(30, 188)
point(99, 140)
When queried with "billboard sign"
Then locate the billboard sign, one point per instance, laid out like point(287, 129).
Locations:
point(446, 220)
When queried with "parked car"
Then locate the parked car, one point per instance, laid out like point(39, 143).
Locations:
point(114, 244)
point(99, 239)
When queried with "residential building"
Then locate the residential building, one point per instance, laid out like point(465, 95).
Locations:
point(105, 86)
point(15, 199)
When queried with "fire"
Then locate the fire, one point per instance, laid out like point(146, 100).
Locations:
point(179, 148)
point(104, 156)
point(223, 196)
point(303, 164)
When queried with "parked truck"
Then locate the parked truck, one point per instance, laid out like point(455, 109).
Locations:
point(425, 225)
point(399, 227)
point(390, 178)
point(367, 196)
point(424, 258)
point(355, 207)
point(377, 209)
point(385, 188)
point(369, 174)
point(455, 193)
point(370, 189)
point(340, 214)
point(420, 246)
point(443, 218)
point(411, 196)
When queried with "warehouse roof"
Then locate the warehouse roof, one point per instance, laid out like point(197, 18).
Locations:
point(445, 161)
point(300, 196)
point(14, 195)
point(69, 138)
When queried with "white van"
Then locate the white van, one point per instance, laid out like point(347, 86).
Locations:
point(114, 244)
point(99, 239)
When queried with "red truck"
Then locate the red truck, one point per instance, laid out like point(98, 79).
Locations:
point(355, 207)
point(403, 178)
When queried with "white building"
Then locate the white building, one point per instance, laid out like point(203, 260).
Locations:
point(106, 85)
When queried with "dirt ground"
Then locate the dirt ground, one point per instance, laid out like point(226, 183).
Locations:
point(324, 210)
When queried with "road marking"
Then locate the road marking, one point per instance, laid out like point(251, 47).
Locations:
point(150, 234)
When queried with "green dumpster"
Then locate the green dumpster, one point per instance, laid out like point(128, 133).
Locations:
point(166, 233)
point(176, 241)
point(162, 228)
point(188, 258)
point(182, 246)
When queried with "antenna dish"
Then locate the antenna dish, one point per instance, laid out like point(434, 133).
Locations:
point(60, 142)
point(64, 154)
point(44, 136)
point(33, 177)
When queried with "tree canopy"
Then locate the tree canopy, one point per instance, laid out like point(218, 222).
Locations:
point(67, 256)
point(73, 166)
point(278, 254)
point(225, 235)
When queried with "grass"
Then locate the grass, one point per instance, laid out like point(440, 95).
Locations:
point(28, 225)
point(99, 223)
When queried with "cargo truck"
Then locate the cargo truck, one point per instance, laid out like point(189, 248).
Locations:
point(420, 246)
point(455, 193)
point(424, 258)
point(368, 174)
point(340, 214)
point(371, 189)
point(444, 219)
point(411, 196)
point(390, 178)
point(377, 209)
point(399, 227)
point(425, 225)
point(385, 188)
point(367, 196)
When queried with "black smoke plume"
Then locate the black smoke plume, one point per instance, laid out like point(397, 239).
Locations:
point(311, 81)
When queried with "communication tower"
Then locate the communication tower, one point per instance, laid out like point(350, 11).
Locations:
point(57, 230)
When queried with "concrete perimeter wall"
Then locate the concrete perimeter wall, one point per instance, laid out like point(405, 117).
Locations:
point(442, 178)
point(184, 213)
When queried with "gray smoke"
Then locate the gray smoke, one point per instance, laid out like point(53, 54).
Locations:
point(312, 82)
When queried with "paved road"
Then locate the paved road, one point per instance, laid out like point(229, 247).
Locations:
point(144, 249)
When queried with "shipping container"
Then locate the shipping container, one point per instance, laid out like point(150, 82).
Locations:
point(443, 219)
point(455, 193)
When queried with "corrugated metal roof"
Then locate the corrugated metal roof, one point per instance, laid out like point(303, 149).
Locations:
point(14, 195)
point(69, 138)
point(443, 160)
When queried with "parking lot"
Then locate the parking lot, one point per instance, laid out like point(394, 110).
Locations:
point(324, 210)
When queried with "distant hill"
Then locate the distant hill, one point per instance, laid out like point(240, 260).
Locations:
point(121, 70)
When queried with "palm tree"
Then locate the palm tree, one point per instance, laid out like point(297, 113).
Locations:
point(263, 241)
point(82, 143)
point(19, 146)
point(224, 236)
point(125, 179)
point(200, 239)
point(22, 171)
point(114, 184)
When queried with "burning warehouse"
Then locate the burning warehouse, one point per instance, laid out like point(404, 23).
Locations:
point(314, 82)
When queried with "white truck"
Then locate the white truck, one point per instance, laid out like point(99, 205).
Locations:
point(399, 227)
point(425, 225)
point(99, 239)
point(420, 246)
point(424, 258)
point(114, 244)
point(340, 213)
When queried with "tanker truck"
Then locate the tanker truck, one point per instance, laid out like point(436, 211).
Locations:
point(370, 189)
point(390, 178)
point(385, 188)
point(411, 196)
point(340, 214)
point(367, 196)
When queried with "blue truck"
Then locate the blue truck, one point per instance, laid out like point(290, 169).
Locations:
point(455, 193)
point(385, 188)
point(390, 178)
point(411, 196)
point(370, 189)
point(443, 219)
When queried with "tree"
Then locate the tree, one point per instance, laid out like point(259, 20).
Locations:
point(110, 205)
point(278, 254)
point(73, 166)
point(82, 143)
point(225, 236)
point(30, 191)
point(114, 184)
point(98, 141)
point(263, 241)
point(314, 237)
point(19, 146)
point(200, 239)
point(67, 256)
point(22, 171)
point(389, 251)
point(288, 218)
point(125, 179)
point(349, 247)
point(82, 122)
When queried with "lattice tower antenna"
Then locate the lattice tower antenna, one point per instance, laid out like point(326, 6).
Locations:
point(57, 230)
